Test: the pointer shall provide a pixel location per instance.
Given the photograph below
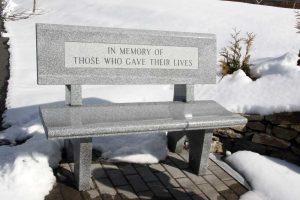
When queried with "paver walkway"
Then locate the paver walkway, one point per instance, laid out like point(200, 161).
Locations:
point(170, 179)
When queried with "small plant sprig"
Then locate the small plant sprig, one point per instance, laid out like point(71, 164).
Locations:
point(232, 59)
point(298, 21)
point(298, 27)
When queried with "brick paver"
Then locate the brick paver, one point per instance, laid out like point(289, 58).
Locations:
point(170, 179)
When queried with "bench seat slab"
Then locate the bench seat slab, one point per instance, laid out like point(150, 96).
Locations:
point(67, 122)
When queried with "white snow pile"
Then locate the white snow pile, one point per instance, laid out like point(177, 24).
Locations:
point(26, 169)
point(270, 178)
point(136, 148)
point(21, 166)
point(276, 90)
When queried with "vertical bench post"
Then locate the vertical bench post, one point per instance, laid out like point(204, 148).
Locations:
point(199, 149)
point(199, 140)
point(184, 93)
point(79, 149)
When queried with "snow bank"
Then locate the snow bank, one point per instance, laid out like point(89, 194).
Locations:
point(277, 89)
point(270, 178)
point(28, 178)
point(25, 169)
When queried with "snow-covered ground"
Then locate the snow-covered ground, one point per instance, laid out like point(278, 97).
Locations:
point(270, 178)
point(274, 55)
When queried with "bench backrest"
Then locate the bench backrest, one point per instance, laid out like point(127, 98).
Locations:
point(79, 55)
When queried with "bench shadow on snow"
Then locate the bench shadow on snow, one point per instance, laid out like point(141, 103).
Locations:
point(24, 135)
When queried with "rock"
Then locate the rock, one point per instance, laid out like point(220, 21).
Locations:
point(296, 150)
point(216, 147)
point(284, 118)
point(298, 139)
point(227, 133)
point(269, 129)
point(241, 129)
point(257, 126)
point(284, 133)
point(270, 141)
point(215, 138)
point(254, 117)
point(4, 142)
point(248, 145)
point(248, 135)
point(287, 155)
point(296, 127)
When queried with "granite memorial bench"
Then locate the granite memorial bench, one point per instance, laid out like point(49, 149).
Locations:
point(76, 55)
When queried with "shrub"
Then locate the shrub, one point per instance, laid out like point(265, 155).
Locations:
point(298, 21)
point(232, 59)
point(298, 27)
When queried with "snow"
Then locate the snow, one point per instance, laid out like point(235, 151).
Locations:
point(22, 166)
point(137, 148)
point(274, 55)
point(268, 94)
point(270, 178)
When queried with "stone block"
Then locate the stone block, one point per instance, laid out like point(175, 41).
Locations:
point(116, 177)
point(214, 181)
point(287, 155)
point(235, 186)
point(126, 192)
point(188, 185)
point(91, 194)
point(269, 129)
point(146, 174)
point(241, 129)
point(216, 147)
point(165, 178)
point(270, 141)
point(296, 127)
point(253, 117)
point(296, 149)
point(146, 195)
point(173, 170)
point(179, 194)
point(157, 167)
point(257, 126)
point(227, 133)
point(219, 172)
point(137, 183)
point(159, 190)
point(195, 178)
point(284, 118)
point(105, 187)
point(127, 169)
point(284, 133)
point(209, 191)
point(298, 139)
point(248, 145)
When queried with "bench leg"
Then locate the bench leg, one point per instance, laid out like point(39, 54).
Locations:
point(199, 149)
point(176, 141)
point(83, 160)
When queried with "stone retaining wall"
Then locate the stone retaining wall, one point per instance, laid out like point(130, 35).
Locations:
point(276, 135)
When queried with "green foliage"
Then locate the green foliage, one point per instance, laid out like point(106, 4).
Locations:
point(232, 58)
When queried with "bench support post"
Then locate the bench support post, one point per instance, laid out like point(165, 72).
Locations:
point(83, 161)
point(79, 149)
point(185, 93)
point(199, 149)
